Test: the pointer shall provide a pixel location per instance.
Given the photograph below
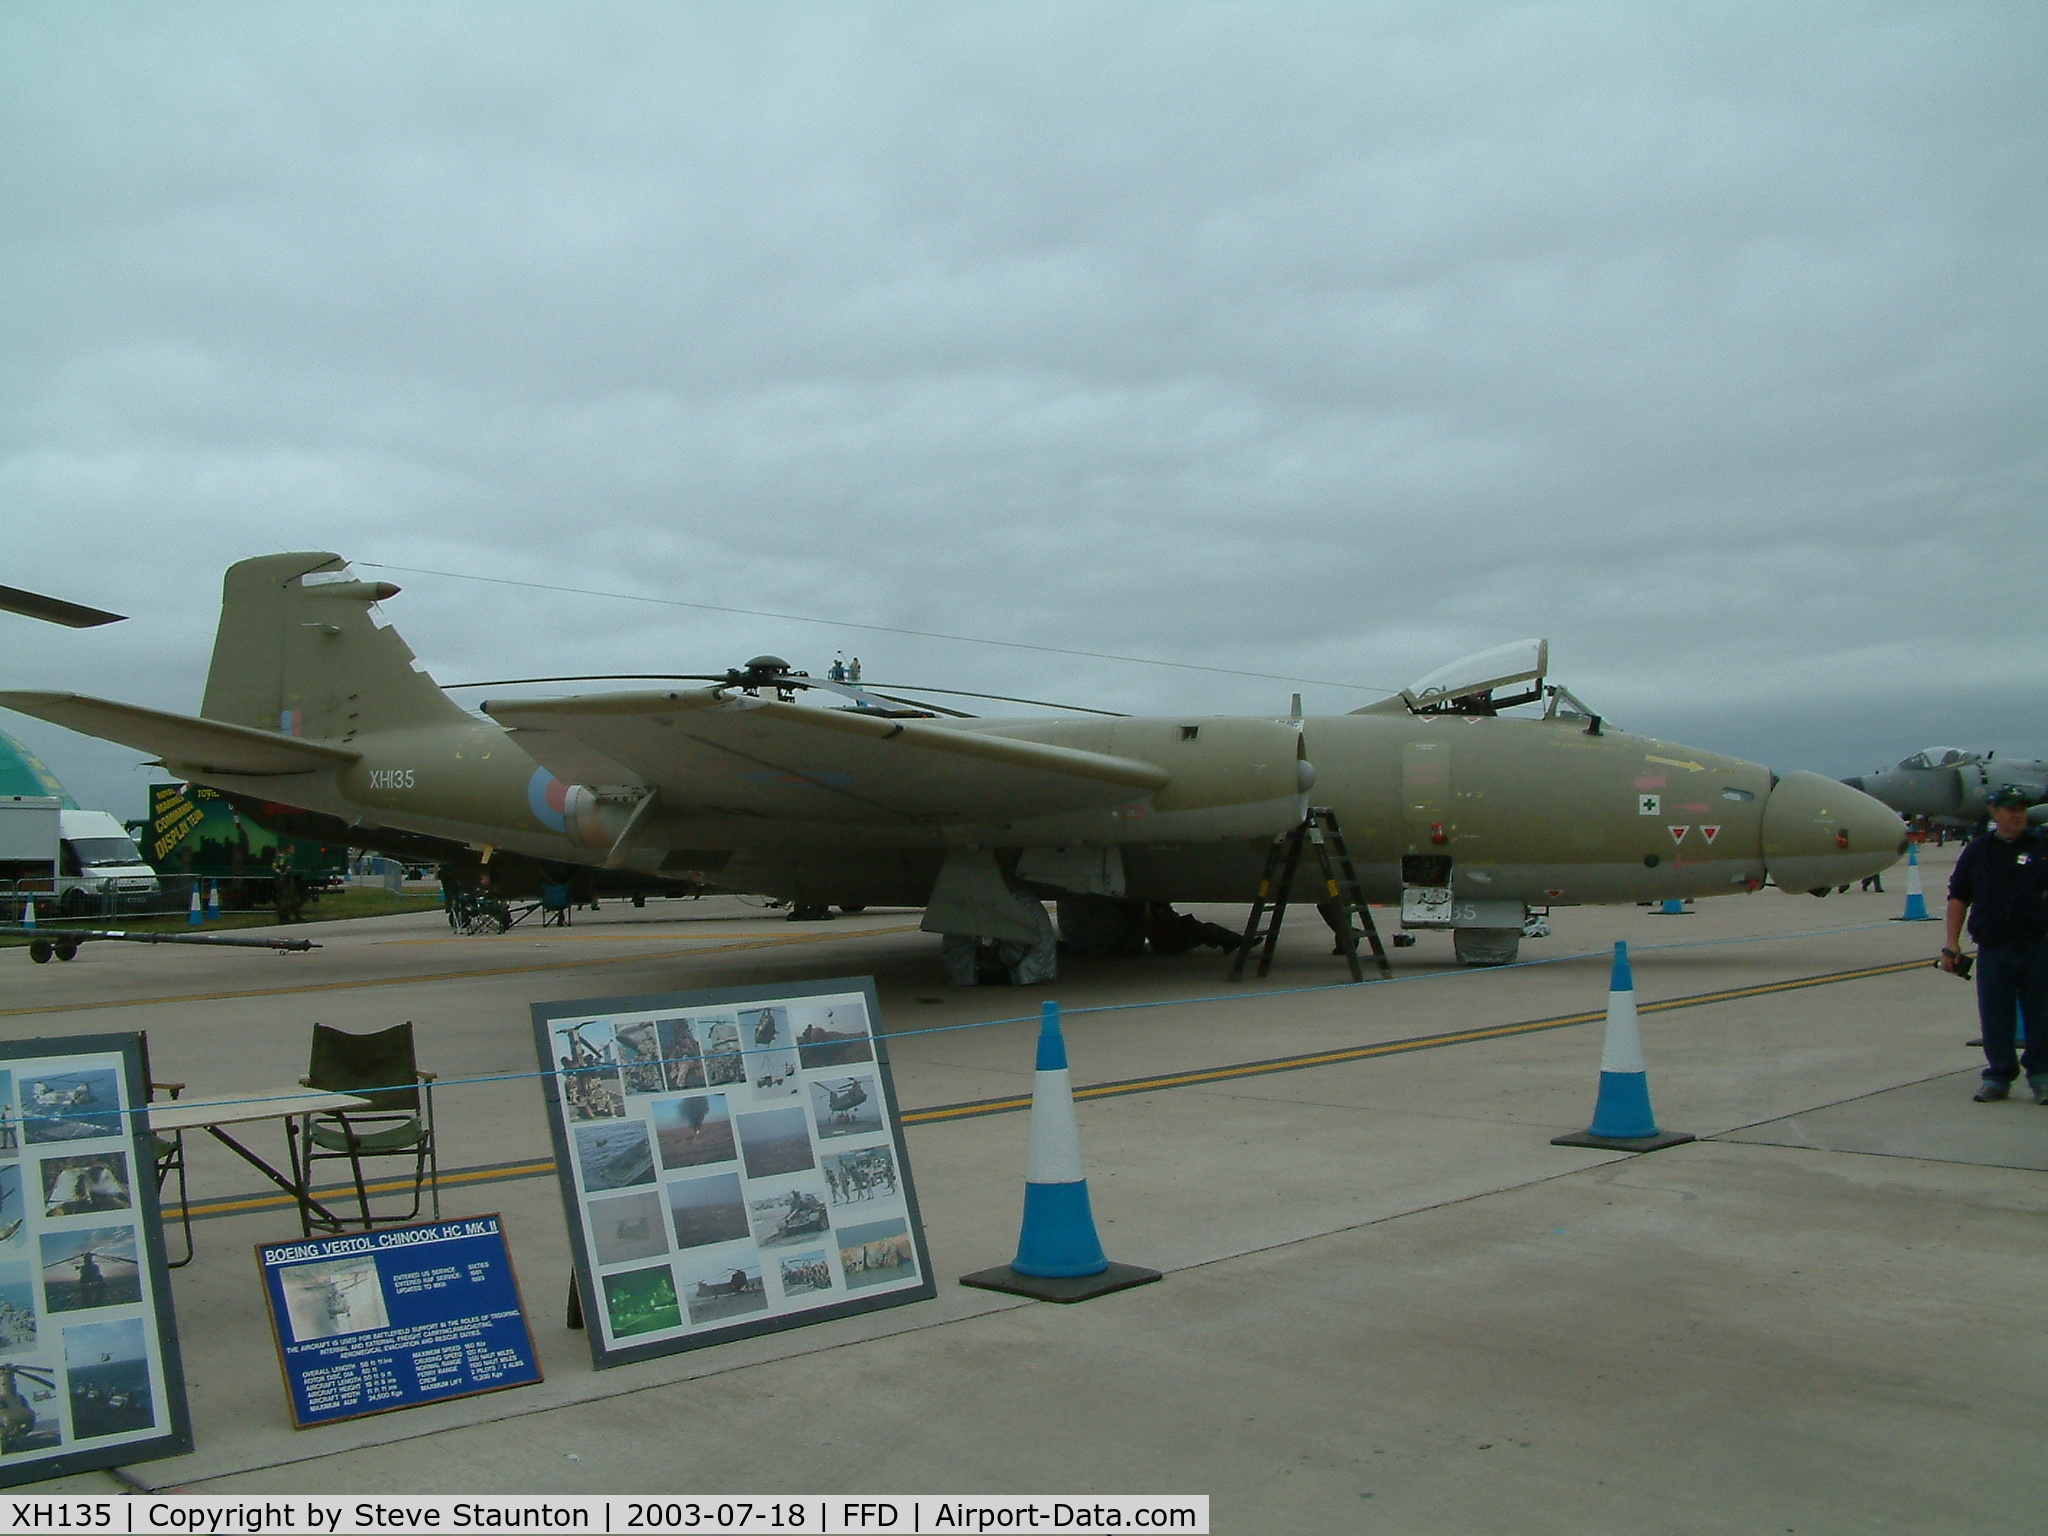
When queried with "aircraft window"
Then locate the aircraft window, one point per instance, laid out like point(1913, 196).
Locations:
point(1564, 705)
point(1936, 757)
point(1740, 796)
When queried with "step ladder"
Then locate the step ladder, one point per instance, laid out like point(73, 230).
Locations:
point(1320, 831)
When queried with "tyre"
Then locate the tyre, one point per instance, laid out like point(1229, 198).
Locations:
point(40, 950)
point(1486, 946)
point(67, 952)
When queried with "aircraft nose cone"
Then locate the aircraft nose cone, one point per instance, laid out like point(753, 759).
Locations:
point(1820, 833)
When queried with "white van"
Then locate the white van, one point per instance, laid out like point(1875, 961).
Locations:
point(72, 858)
point(97, 857)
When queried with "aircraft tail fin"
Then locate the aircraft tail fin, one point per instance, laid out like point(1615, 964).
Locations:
point(302, 651)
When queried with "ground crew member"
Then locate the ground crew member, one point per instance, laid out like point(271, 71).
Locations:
point(2001, 881)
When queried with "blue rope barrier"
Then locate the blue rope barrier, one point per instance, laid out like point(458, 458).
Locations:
point(1602, 955)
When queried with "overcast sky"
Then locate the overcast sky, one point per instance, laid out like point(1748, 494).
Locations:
point(1330, 342)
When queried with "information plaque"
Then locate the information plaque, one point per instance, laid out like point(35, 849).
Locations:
point(89, 1370)
point(731, 1163)
point(395, 1318)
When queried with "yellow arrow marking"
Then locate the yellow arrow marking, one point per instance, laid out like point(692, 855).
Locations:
point(1672, 762)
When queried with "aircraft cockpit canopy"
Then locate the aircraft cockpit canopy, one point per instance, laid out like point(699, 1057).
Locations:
point(1938, 757)
point(1488, 682)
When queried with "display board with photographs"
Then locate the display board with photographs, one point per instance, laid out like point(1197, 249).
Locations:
point(396, 1317)
point(731, 1162)
point(89, 1368)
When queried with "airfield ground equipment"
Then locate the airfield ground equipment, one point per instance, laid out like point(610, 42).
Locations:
point(1344, 903)
point(63, 943)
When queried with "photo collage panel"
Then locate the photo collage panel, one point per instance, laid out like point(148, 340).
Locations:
point(729, 1163)
point(79, 1358)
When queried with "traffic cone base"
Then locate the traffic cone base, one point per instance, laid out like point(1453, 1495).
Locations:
point(1622, 1143)
point(1117, 1277)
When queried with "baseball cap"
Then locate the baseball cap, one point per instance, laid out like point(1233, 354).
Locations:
point(2011, 794)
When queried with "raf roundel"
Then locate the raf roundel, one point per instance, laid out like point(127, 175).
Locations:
point(546, 797)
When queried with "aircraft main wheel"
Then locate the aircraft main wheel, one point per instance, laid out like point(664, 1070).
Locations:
point(67, 952)
point(40, 950)
point(1486, 946)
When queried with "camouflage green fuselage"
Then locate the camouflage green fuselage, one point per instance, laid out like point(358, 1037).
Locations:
point(1536, 811)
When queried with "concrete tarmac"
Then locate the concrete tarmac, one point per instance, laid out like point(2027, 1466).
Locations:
point(1390, 1303)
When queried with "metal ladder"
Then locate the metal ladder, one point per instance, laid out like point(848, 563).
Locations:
point(1319, 829)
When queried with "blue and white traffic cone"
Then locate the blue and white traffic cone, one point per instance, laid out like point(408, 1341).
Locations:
point(193, 915)
point(1058, 1239)
point(1059, 1256)
point(1622, 1118)
point(213, 901)
point(1916, 899)
point(28, 914)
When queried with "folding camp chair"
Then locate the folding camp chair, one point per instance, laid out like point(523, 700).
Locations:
point(168, 1153)
point(397, 1122)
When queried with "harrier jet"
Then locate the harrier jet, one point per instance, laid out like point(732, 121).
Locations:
point(761, 780)
point(1951, 787)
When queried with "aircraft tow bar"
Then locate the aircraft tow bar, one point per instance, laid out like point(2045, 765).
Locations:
point(64, 942)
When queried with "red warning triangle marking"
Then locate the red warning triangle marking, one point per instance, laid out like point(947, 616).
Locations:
point(1710, 833)
point(1678, 833)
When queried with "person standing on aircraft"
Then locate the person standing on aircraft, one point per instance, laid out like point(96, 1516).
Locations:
point(2001, 882)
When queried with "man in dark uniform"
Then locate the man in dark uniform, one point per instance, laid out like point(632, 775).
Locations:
point(2001, 881)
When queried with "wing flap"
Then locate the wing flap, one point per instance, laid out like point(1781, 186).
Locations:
point(739, 754)
point(202, 746)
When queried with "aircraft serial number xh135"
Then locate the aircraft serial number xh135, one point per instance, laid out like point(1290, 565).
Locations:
point(1466, 816)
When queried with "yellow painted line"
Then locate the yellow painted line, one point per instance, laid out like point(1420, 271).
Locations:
point(945, 1112)
point(551, 936)
point(437, 976)
point(940, 1114)
point(239, 1205)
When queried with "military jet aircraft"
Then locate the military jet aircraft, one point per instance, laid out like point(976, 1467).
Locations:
point(1953, 788)
point(749, 784)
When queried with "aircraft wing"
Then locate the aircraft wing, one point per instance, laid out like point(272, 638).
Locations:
point(729, 754)
point(54, 609)
point(184, 740)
